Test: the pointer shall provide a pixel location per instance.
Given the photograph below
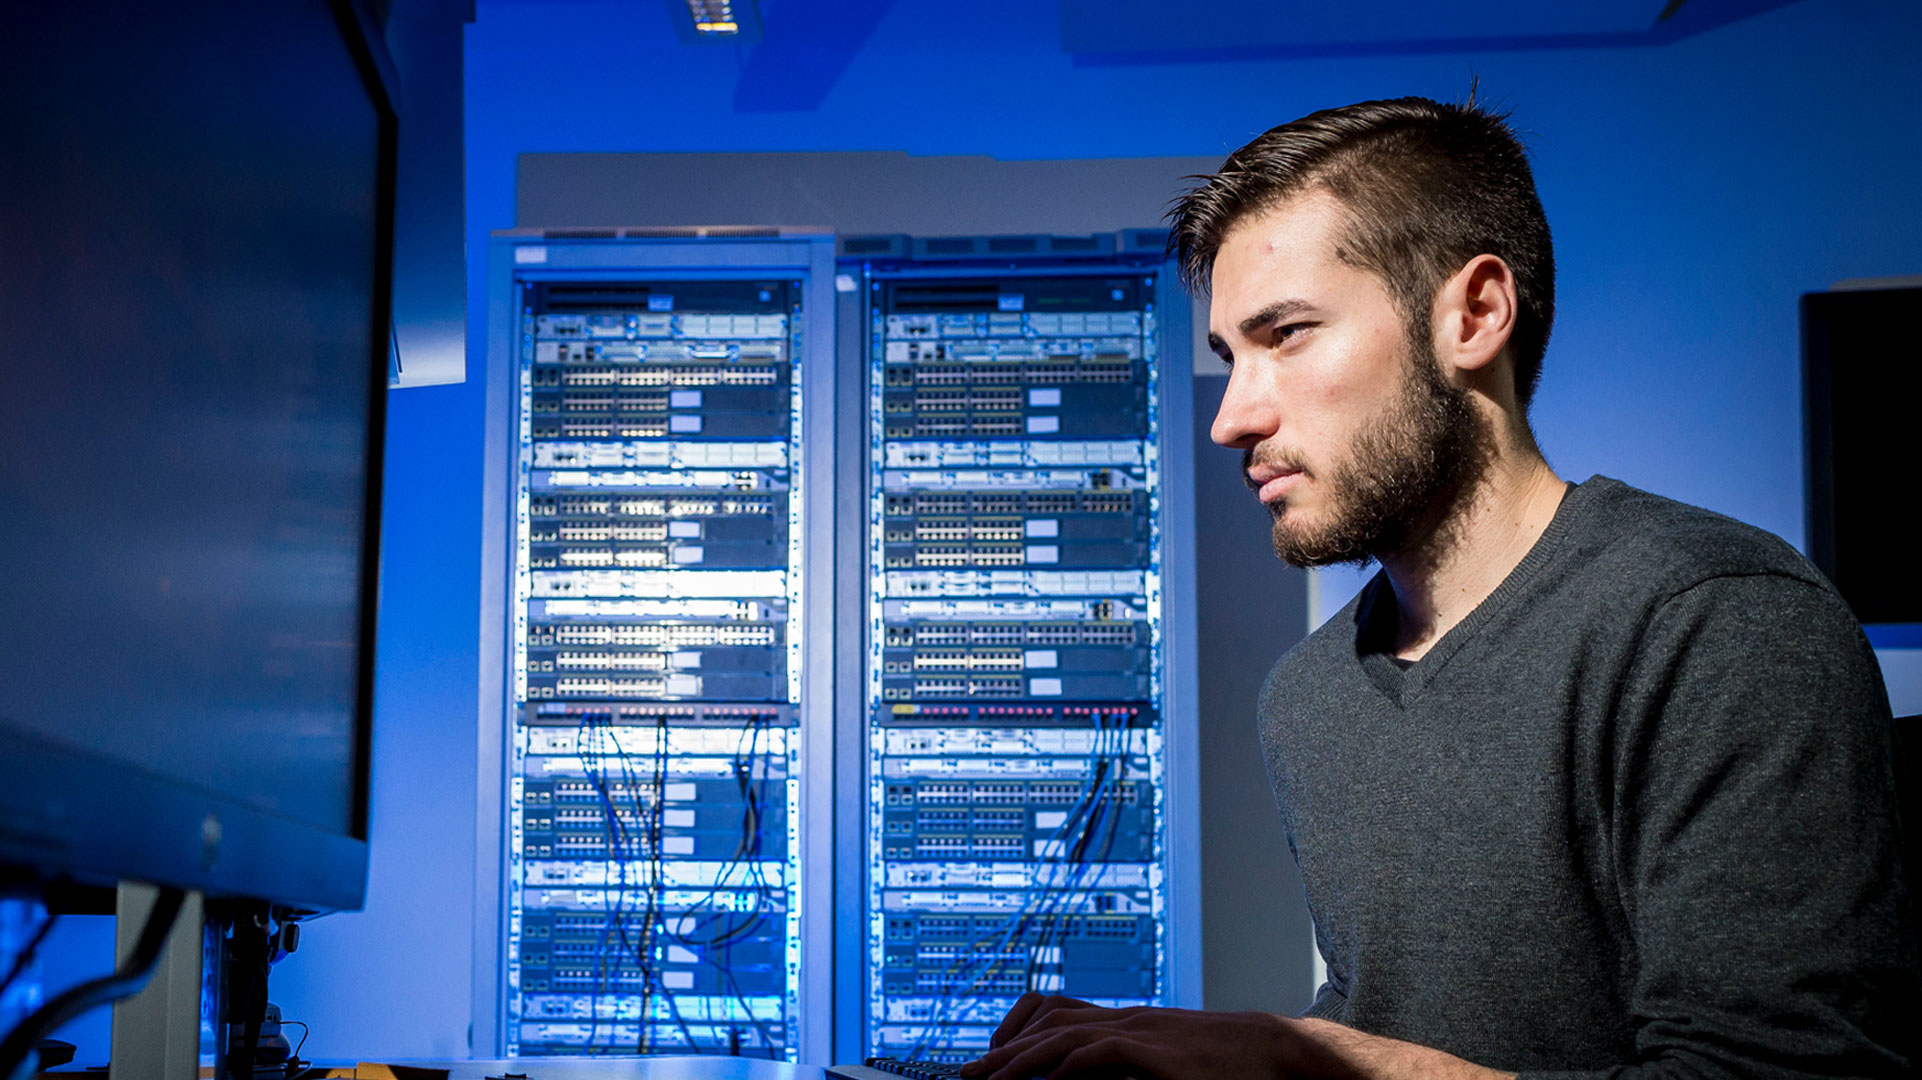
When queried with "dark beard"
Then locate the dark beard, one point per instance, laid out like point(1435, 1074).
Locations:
point(1406, 475)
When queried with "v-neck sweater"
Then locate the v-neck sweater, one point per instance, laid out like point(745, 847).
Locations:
point(1633, 816)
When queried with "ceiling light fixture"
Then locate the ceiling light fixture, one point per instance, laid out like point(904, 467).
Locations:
point(724, 20)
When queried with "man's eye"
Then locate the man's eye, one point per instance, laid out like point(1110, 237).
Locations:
point(1288, 330)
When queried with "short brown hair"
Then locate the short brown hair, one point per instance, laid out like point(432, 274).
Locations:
point(1427, 186)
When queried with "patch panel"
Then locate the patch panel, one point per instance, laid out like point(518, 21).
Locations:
point(1040, 878)
point(1060, 371)
point(933, 454)
point(1098, 609)
point(940, 717)
point(1104, 929)
point(645, 873)
point(1014, 899)
point(685, 583)
point(1000, 357)
point(579, 687)
point(948, 490)
point(673, 1035)
point(1093, 734)
point(681, 476)
point(1002, 501)
point(698, 977)
point(686, 329)
point(664, 635)
point(713, 547)
point(552, 350)
point(687, 727)
point(1075, 649)
point(608, 508)
point(675, 455)
point(1039, 584)
point(724, 1008)
point(709, 661)
point(978, 802)
point(719, 609)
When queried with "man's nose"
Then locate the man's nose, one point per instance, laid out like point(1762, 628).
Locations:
point(1247, 414)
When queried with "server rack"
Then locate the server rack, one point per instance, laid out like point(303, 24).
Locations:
point(1027, 777)
point(661, 758)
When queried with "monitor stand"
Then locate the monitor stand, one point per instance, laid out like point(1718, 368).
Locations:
point(156, 1033)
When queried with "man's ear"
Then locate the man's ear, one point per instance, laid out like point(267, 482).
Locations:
point(1475, 314)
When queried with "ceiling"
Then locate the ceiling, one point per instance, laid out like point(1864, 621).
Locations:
point(804, 47)
point(1169, 31)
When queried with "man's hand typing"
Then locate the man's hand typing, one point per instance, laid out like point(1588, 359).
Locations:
point(1060, 1037)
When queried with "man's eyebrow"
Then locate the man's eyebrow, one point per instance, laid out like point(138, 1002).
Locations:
point(1275, 312)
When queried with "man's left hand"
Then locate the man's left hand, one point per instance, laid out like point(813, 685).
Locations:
point(1167, 1044)
point(1073, 1039)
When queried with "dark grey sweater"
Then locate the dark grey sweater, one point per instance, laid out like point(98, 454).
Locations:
point(1633, 817)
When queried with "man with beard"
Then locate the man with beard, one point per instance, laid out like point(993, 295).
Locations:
point(1585, 781)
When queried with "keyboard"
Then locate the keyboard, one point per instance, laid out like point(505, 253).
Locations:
point(891, 1068)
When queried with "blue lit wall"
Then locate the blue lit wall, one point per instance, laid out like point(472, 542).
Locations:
point(1695, 189)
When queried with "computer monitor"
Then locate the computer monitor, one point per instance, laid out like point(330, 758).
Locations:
point(196, 221)
point(1862, 383)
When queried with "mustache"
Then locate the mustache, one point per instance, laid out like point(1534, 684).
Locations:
point(1278, 460)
